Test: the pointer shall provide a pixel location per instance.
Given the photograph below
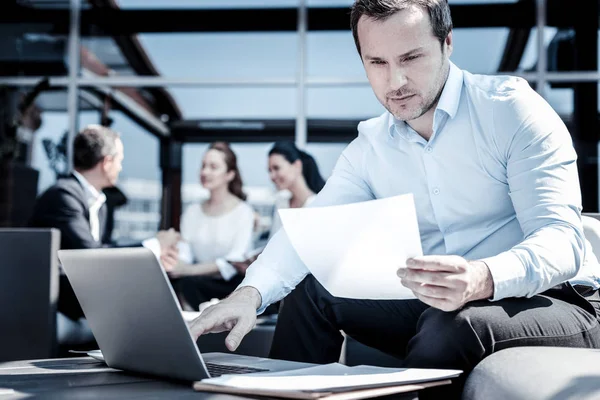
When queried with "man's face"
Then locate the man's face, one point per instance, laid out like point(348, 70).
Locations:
point(112, 165)
point(405, 63)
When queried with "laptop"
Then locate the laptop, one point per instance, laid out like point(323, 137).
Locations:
point(137, 321)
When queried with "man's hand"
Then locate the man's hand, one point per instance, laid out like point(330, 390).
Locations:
point(236, 313)
point(447, 282)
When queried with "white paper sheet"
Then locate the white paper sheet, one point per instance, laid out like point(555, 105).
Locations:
point(331, 376)
point(355, 250)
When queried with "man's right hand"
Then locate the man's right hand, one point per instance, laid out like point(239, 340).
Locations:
point(236, 313)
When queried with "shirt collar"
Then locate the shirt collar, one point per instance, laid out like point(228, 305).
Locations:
point(448, 102)
point(93, 196)
point(450, 97)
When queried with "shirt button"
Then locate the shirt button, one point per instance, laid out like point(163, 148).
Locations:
point(436, 191)
point(428, 149)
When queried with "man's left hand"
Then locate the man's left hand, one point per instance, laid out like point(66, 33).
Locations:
point(447, 282)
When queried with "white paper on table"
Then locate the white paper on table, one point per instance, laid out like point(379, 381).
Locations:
point(332, 376)
point(355, 250)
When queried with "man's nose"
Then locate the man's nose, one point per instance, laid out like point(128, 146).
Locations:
point(398, 79)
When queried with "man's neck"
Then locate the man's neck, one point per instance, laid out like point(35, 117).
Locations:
point(424, 124)
point(92, 179)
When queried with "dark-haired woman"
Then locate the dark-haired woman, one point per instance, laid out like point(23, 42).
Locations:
point(217, 230)
point(296, 175)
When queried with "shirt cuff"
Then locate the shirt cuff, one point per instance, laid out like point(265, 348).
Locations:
point(227, 270)
point(264, 283)
point(509, 275)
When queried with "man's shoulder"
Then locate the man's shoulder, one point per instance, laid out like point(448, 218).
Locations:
point(496, 87)
point(370, 132)
point(48, 205)
point(374, 127)
point(509, 101)
point(64, 185)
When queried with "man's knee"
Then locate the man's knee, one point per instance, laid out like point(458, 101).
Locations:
point(447, 339)
point(309, 293)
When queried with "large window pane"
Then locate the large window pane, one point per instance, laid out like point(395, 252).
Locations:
point(235, 102)
point(333, 54)
point(342, 102)
point(169, 4)
point(251, 55)
point(479, 50)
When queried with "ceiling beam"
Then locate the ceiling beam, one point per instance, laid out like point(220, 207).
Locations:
point(111, 22)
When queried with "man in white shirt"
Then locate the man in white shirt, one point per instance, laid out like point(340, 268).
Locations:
point(493, 171)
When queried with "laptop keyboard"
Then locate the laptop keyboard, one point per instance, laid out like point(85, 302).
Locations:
point(216, 370)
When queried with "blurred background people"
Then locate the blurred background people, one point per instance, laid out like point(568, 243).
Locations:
point(297, 178)
point(296, 175)
point(216, 231)
point(76, 206)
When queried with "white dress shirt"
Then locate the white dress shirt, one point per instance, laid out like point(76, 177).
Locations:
point(95, 201)
point(497, 181)
point(219, 238)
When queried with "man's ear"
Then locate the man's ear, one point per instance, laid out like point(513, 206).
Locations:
point(106, 163)
point(449, 44)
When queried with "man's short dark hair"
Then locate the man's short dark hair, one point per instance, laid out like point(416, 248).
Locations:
point(92, 144)
point(379, 10)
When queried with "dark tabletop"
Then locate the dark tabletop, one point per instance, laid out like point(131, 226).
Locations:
point(86, 378)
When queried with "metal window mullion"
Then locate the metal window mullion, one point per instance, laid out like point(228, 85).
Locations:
point(72, 98)
point(301, 130)
point(542, 68)
point(324, 81)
